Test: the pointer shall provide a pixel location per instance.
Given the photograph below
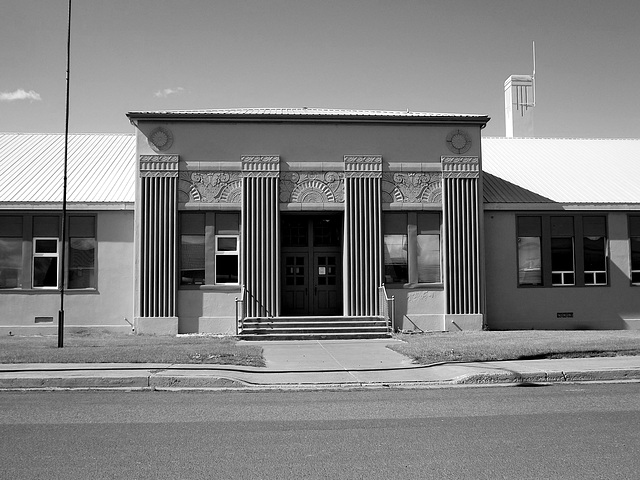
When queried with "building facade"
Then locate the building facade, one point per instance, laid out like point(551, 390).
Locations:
point(216, 221)
point(307, 213)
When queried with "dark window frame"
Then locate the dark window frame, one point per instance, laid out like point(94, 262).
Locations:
point(577, 235)
point(410, 233)
point(213, 228)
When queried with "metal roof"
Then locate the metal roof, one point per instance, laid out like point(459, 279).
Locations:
point(308, 113)
point(562, 170)
point(101, 168)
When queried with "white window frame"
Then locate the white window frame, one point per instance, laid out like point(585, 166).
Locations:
point(55, 255)
point(218, 253)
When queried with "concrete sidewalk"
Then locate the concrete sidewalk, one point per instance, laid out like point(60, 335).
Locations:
point(314, 365)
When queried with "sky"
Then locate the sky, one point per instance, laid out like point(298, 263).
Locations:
point(443, 56)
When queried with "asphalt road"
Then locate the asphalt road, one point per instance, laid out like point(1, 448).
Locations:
point(559, 431)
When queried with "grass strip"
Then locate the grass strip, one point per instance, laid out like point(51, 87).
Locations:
point(516, 345)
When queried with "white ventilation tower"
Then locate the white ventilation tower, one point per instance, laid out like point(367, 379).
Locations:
point(519, 101)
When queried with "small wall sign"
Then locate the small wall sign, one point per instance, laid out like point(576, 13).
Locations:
point(564, 315)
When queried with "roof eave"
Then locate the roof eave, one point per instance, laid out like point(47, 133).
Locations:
point(481, 120)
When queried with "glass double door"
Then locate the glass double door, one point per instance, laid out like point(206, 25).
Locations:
point(311, 265)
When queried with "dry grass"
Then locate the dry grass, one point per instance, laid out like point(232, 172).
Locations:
point(482, 346)
point(81, 347)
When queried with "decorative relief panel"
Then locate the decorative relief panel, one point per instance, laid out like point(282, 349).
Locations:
point(159, 165)
point(261, 165)
point(363, 166)
point(412, 187)
point(312, 187)
point(460, 167)
point(210, 187)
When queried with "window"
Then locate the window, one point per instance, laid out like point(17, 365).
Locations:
point(594, 244)
point(562, 250)
point(30, 251)
point(634, 248)
point(45, 251)
point(227, 252)
point(562, 254)
point(529, 251)
point(209, 248)
point(412, 247)
point(192, 264)
point(10, 251)
point(82, 253)
point(396, 263)
point(429, 248)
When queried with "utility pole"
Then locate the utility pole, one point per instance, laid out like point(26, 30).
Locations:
point(64, 192)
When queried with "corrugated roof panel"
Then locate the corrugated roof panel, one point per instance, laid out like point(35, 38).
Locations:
point(567, 170)
point(497, 190)
point(101, 168)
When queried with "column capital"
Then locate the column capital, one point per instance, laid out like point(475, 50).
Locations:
point(260, 165)
point(363, 166)
point(165, 166)
point(460, 167)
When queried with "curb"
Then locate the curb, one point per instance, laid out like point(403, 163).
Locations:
point(549, 377)
point(163, 382)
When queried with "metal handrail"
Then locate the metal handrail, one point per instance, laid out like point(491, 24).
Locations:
point(240, 310)
point(387, 308)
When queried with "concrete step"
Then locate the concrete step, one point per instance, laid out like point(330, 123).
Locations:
point(313, 336)
point(313, 328)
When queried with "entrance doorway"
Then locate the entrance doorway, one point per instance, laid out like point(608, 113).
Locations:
point(311, 264)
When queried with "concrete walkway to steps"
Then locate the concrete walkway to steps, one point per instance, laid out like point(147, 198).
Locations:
point(317, 364)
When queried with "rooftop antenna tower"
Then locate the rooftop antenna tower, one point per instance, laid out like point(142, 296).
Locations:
point(519, 101)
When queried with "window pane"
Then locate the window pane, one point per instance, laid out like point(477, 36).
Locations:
point(82, 227)
point(428, 258)
point(594, 226)
point(10, 226)
point(395, 259)
point(81, 263)
point(46, 226)
point(634, 226)
point(10, 262)
point(561, 226)
point(46, 245)
point(327, 232)
point(529, 227)
point(594, 254)
point(45, 272)
point(227, 244)
point(192, 259)
point(295, 231)
point(562, 254)
point(226, 269)
point(192, 223)
point(529, 261)
point(227, 224)
point(428, 223)
point(635, 259)
point(395, 224)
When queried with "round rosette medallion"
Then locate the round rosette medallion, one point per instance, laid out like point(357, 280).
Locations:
point(160, 139)
point(458, 141)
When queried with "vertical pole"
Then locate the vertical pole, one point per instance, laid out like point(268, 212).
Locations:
point(64, 192)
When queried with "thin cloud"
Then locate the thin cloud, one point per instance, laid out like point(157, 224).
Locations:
point(19, 94)
point(165, 92)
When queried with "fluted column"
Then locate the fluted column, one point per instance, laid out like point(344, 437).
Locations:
point(260, 233)
point(363, 233)
point(461, 216)
point(157, 247)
